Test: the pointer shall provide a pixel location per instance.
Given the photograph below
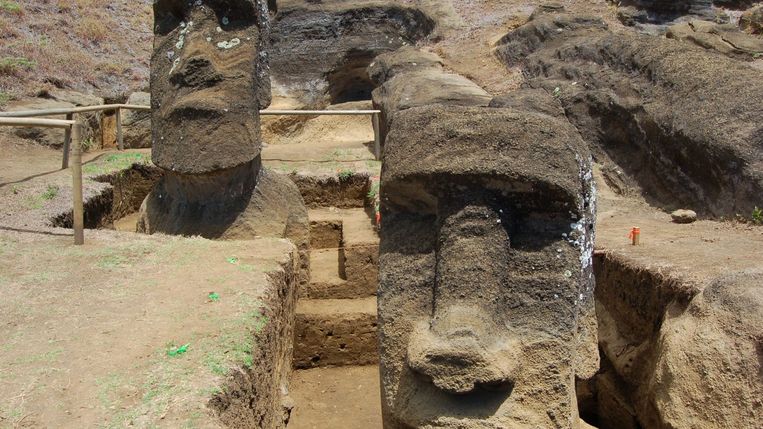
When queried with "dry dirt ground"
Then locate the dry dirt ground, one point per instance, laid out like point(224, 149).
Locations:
point(88, 331)
point(320, 145)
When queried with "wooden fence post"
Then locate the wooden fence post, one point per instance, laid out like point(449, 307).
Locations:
point(120, 140)
point(78, 221)
point(377, 136)
point(67, 142)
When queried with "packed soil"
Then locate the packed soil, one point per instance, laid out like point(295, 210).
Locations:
point(341, 398)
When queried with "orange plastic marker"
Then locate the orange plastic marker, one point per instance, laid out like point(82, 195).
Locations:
point(635, 235)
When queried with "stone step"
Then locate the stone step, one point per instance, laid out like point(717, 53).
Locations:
point(335, 332)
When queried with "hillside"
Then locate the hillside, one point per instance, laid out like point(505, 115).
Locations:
point(93, 46)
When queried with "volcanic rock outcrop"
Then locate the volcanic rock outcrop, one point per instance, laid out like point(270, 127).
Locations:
point(683, 122)
point(321, 50)
point(208, 81)
point(486, 285)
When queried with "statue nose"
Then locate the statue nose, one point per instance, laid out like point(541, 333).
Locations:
point(458, 352)
point(196, 71)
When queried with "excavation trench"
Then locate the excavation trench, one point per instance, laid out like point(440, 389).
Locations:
point(335, 382)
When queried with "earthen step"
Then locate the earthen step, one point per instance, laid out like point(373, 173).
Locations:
point(351, 271)
point(325, 233)
point(335, 332)
point(326, 277)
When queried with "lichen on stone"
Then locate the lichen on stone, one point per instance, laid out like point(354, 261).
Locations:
point(229, 44)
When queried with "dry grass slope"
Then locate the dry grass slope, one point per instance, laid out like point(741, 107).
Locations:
point(93, 46)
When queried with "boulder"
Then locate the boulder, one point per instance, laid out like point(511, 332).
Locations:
point(684, 216)
point(655, 15)
point(136, 124)
point(708, 358)
point(681, 122)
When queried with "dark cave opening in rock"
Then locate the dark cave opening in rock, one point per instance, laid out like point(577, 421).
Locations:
point(348, 80)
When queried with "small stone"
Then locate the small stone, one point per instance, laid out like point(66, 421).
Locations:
point(684, 216)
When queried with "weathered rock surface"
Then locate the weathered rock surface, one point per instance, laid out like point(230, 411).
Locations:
point(412, 84)
point(136, 125)
point(406, 59)
point(320, 50)
point(531, 100)
point(752, 20)
point(484, 198)
point(689, 358)
point(652, 15)
point(726, 39)
point(682, 122)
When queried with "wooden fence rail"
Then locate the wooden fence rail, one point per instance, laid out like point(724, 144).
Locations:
point(117, 108)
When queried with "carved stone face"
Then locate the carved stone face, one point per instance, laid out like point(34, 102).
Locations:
point(208, 81)
point(484, 270)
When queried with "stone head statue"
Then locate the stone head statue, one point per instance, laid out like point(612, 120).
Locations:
point(486, 286)
point(208, 81)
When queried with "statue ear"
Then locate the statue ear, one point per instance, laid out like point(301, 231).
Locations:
point(587, 360)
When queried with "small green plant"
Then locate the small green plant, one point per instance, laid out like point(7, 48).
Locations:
point(87, 144)
point(11, 65)
point(10, 7)
point(557, 92)
point(373, 192)
point(345, 174)
point(115, 162)
point(177, 351)
point(5, 98)
point(50, 193)
point(213, 296)
point(757, 215)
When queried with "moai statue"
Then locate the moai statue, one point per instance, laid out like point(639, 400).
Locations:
point(486, 287)
point(209, 79)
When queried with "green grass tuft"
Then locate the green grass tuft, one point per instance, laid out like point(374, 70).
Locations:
point(12, 65)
